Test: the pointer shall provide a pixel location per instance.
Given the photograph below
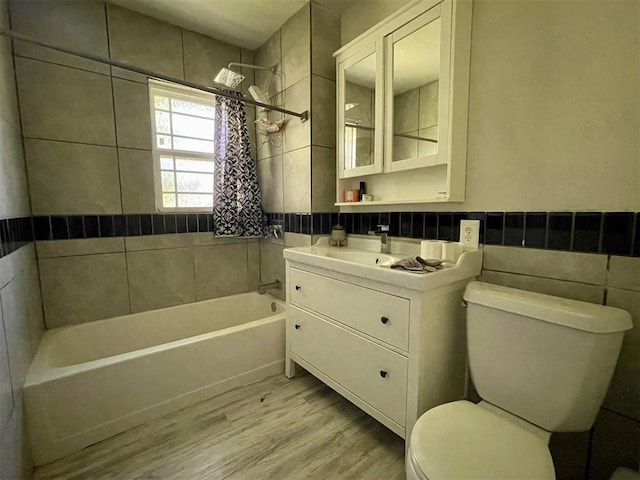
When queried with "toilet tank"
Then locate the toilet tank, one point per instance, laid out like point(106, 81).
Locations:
point(546, 359)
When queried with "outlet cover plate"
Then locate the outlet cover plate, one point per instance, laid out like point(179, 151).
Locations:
point(469, 234)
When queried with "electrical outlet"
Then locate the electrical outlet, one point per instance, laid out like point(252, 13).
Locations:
point(469, 234)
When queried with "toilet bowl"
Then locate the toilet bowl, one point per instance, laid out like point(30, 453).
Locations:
point(462, 440)
point(541, 364)
point(623, 473)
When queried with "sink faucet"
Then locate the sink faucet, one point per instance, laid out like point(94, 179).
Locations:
point(385, 241)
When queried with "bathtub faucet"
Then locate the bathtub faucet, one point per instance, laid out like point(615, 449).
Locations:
point(277, 285)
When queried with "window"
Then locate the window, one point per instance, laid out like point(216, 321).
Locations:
point(182, 130)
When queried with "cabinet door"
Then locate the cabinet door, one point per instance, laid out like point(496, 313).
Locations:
point(375, 374)
point(383, 316)
point(418, 59)
point(360, 100)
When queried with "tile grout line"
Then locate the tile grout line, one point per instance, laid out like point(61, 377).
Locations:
point(115, 129)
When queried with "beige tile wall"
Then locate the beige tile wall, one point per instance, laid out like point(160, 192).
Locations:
point(297, 170)
point(325, 39)
point(92, 123)
point(21, 324)
point(76, 106)
point(21, 328)
point(84, 280)
point(302, 51)
point(272, 264)
point(600, 279)
point(68, 23)
point(88, 151)
point(145, 42)
point(75, 287)
point(55, 170)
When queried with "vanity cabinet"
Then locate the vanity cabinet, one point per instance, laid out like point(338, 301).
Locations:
point(402, 96)
point(394, 351)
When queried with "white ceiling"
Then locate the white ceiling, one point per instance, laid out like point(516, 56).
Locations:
point(246, 23)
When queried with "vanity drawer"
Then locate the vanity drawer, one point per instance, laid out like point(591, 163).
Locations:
point(383, 316)
point(370, 371)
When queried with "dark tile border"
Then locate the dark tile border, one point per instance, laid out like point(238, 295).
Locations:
point(103, 226)
point(615, 233)
point(14, 234)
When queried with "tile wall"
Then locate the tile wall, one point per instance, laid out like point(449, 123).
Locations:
point(603, 279)
point(21, 324)
point(87, 142)
point(297, 168)
point(90, 279)
point(596, 232)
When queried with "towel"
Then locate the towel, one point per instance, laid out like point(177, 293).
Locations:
point(415, 264)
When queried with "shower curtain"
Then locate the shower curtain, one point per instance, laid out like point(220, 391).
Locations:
point(237, 205)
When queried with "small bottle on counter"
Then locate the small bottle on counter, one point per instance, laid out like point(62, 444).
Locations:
point(363, 190)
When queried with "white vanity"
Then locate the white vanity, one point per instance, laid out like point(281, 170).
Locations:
point(392, 342)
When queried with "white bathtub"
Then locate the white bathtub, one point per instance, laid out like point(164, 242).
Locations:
point(91, 381)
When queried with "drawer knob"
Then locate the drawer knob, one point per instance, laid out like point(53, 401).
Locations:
point(297, 326)
point(298, 287)
point(384, 320)
point(383, 373)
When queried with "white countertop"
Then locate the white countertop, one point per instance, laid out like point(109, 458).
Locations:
point(469, 264)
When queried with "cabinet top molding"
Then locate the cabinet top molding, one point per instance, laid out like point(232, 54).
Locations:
point(392, 22)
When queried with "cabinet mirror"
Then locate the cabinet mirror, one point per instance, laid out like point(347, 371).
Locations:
point(413, 92)
point(359, 113)
point(358, 117)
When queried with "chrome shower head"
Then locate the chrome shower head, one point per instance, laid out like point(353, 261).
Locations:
point(228, 78)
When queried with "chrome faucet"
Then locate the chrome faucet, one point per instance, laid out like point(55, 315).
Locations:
point(385, 241)
point(274, 231)
point(277, 285)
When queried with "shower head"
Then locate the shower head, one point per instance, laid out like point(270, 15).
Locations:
point(231, 79)
point(228, 78)
point(258, 95)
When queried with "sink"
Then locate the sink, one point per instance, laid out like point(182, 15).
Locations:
point(363, 257)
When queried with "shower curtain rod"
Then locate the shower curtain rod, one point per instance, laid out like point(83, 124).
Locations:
point(304, 116)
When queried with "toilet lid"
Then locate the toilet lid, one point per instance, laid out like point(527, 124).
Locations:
point(464, 441)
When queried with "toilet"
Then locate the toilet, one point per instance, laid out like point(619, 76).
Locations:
point(540, 364)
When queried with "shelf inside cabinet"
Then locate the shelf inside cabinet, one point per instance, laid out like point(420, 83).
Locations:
point(391, 202)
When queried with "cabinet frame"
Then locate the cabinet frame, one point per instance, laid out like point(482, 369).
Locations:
point(427, 179)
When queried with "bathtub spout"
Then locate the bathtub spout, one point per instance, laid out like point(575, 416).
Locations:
point(277, 285)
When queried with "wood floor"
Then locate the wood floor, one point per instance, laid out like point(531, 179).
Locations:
point(273, 429)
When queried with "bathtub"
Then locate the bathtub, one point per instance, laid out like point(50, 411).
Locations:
point(91, 381)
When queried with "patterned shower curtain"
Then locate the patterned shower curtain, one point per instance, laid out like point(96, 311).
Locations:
point(237, 205)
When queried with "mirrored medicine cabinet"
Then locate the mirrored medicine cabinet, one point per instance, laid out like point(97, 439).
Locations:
point(402, 93)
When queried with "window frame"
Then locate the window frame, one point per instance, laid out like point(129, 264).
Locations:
point(180, 92)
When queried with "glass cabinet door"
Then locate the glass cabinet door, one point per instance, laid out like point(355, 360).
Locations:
point(359, 103)
point(417, 93)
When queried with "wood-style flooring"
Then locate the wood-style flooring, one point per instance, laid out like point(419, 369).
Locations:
point(276, 428)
